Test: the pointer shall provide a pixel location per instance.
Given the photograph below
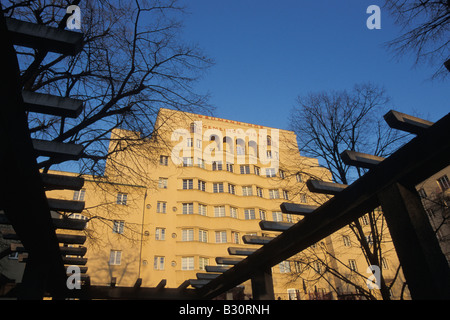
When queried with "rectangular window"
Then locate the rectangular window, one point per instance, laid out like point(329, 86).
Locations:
point(187, 162)
point(202, 209)
point(190, 142)
point(233, 212)
point(285, 266)
point(282, 174)
point(158, 263)
point(202, 235)
point(201, 185)
point(115, 257)
point(422, 193)
point(444, 183)
point(277, 216)
point(270, 172)
point(346, 240)
point(164, 160)
point(249, 214)
point(79, 195)
point(188, 208)
point(218, 187)
point(230, 167)
point(221, 236)
point(219, 211)
point(245, 169)
point(187, 235)
point(247, 191)
point(298, 176)
point(160, 234)
point(188, 184)
point(303, 198)
point(352, 264)
point(231, 188)
point(121, 199)
point(162, 183)
point(285, 195)
point(161, 207)
point(198, 143)
point(217, 165)
point(187, 263)
point(201, 163)
point(274, 194)
point(257, 170)
point(202, 263)
point(262, 214)
point(118, 226)
point(235, 237)
point(259, 192)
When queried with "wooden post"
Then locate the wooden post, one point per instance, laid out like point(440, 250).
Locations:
point(424, 265)
point(262, 285)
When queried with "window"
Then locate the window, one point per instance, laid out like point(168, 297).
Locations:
point(245, 169)
point(202, 263)
point(303, 198)
point(221, 236)
point(285, 195)
point(188, 208)
point(79, 195)
point(443, 182)
point(187, 235)
point(257, 170)
point(190, 142)
point(365, 220)
point(269, 140)
point(114, 257)
point(121, 199)
point(193, 127)
point(118, 226)
point(259, 192)
point(285, 266)
point(162, 183)
point(240, 150)
point(187, 162)
point(384, 263)
point(231, 188)
point(201, 185)
point(187, 263)
point(217, 165)
point(293, 294)
point(247, 191)
point(188, 184)
point(249, 214)
point(270, 172)
point(262, 214)
point(219, 211)
point(164, 160)
point(161, 207)
point(317, 266)
point(158, 262)
point(198, 143)
point(274, 194)
point(233, 212)
point(230, 167)
point(352, 264)
point(202, 209)
point(201, 163)
point(218, 187)
point(160, 234)
point(202, 235)
point(277, 216)
point(346, 240)
point(235, 237)
point(422, 193)
point(282, 174)
point(298, 176)
point(289, 218)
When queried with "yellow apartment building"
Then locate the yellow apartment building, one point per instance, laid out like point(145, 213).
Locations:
point(167, 206)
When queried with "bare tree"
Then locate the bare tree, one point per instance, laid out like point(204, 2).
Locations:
point(426, 26)
point(327, 123)
point(133, 62)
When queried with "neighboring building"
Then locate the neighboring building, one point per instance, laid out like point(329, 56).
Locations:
point(166, 208)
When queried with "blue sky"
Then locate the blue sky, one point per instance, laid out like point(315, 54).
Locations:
point(269, 52)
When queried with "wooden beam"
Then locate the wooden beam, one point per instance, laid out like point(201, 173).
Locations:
point(405, 122)
point(297, 209)
point(66, 205)
point(69, 151)
point(249, 239)
point(161, 284)
point(228, 260)
point(58, 182)
point(36, 36)
point(324, 187)
point(207, 276)
point(275, 226)
point(50, 104)
point(262, 285)
point(61, 238)
point(359, 159)
point(67, 223)
point(198, 283)
point(240, 251)
point(216, 269)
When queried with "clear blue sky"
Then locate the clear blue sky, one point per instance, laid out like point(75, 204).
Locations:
point(269, 52)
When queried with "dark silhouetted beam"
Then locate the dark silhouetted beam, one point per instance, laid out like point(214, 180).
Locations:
point(325, 187)
point(53, 105)
point(249, 239)
point(405, 122)
point(241, 251)
point(66, 205)
point(207, 276)
point(57, 149)
point(58, 182)
point(358, 159)
point(275, 226)
point(297, 209)
point(228, 260)
point(216, 269)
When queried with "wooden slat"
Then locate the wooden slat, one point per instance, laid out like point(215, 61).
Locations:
point(216, 269)
point(58, 182)
point(36, 36)
point(248, 239)
point(324, 187)
point(359, 159)
point(69, 224)
point(228, 260)
point(57, 149)
point(66, 205)
point(405, 122)
point(241, 251)
point(275, 226)
point(50, 104)
point(207, 276)
point(297, 209)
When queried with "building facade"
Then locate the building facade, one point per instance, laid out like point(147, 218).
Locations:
point(167, 206)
